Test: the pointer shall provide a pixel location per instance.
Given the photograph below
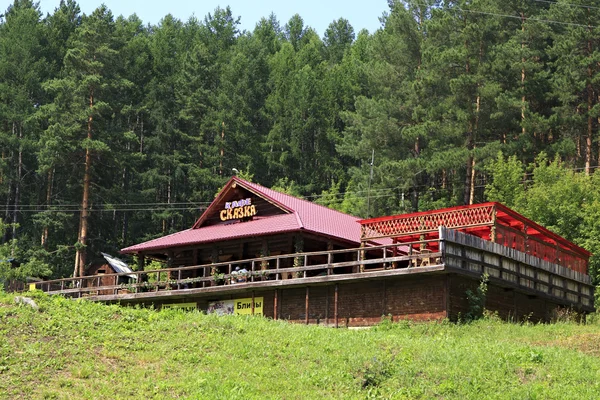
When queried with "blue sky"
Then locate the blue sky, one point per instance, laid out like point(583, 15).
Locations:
point(317, 14)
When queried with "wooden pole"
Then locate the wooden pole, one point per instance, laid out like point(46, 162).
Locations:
point(306, 305)
point(253, 302)
point(275, 305)
point(335, 306)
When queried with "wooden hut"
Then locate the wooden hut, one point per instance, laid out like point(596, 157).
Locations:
point(103, 272)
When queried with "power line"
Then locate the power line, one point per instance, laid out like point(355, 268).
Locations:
point(568, 4)
point(76, 205)
point(95, 210)
point(550, 21)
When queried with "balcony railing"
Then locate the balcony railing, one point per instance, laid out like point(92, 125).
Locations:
point(296, 266)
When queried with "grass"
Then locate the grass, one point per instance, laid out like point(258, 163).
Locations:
point(81, 350)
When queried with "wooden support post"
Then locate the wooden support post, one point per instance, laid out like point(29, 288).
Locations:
point(141, 262)
point(179, 280)
point(500, 268)
point(169, 266)
point(384, 299)
point(361, 257)
point(493, 234)
point(194, 271)
point(394, 253)
point(252, 266)
point(526, 246)
point(327, 306)
point(335, 306)
point(329, 262)
point(275, 305)
point(306, 305)
point(305, 265)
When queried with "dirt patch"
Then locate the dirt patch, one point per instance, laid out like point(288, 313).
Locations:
point(526, 375)
point(588, 343)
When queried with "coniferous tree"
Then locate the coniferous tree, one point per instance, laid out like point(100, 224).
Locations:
point(22, 69)
point(81, 111)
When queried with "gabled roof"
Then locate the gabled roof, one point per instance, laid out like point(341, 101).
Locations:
point(296, 215)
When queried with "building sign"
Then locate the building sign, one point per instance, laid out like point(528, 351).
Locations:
point(185, 306)
point(236, 306)
point(238, 209)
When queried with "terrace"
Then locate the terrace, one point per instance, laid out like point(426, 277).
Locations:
point(449, 252)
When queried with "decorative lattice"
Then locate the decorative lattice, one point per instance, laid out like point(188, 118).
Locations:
point(403, 225)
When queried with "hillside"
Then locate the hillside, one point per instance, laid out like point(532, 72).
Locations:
point(75, 350)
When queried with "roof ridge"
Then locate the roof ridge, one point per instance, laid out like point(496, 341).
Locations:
point(299, 219)
point(292, 197)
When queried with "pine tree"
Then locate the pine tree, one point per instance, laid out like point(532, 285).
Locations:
point(81, 111)
point(21, 71)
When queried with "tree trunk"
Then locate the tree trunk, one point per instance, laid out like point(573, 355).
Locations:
point(222, 150)
point(125, 226)
point(472, 186)
point(1, 171)
point(590, 123)
point(467, 190)
point(83, 221)
point(18, 184)
point(523, 99)
point(45, 232)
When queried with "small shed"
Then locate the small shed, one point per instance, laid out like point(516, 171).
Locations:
point(110, 265)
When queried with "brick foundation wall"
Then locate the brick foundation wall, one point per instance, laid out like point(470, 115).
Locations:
point(359, 303)
point(366, 303)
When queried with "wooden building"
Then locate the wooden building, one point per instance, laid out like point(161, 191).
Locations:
point(248, 221)
point(110, 271)
point(258, 251)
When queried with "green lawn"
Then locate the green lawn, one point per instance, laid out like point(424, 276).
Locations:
point(72, 350)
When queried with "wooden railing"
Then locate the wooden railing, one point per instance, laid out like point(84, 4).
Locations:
point(474, 256)
point(280, 267)
point(459, 253)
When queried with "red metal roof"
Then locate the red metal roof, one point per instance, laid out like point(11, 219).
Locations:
point(302, 215)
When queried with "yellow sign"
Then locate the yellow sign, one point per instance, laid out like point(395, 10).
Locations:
point(236, 306)
point(32, 287)
point(244, 306)
point(238, 209)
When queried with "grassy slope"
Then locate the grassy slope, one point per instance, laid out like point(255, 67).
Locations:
point(74, 349)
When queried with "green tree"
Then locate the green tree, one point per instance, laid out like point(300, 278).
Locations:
point(506, 185)
point(338, 39)
point(81, 112)
point(21, 71)
point(576, 75)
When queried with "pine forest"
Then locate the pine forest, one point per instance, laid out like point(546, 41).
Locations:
point(114, 131)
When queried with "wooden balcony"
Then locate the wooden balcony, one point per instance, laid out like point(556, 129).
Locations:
point(455, 253)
